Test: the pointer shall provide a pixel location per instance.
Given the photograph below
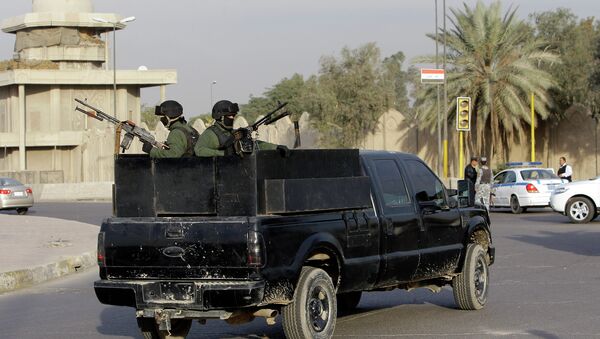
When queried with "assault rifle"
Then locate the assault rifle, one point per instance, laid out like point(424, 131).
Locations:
point(245, 144)
point(130, 128)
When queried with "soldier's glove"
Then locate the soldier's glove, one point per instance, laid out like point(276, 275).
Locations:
point(147, 147)
point(238, 134)
point(283, 151)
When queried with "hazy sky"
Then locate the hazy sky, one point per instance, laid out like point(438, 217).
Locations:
point(249, 45)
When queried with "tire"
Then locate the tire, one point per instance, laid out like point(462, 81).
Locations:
point(312, 313)
point(347, 302)
point(470, 287)
point(515, 207)
point(580, 210)
point(179, 329)
point(22, 211)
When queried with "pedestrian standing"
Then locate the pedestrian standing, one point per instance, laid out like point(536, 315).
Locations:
point(471, 176)
point(565, 171)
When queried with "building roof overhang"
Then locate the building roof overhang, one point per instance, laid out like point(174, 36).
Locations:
point(146, 78)
point(57, 19)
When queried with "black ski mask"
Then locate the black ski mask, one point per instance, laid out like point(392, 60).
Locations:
point(164, 120)
point(228, 122)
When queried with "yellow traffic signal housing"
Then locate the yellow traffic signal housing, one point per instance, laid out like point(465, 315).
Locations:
point(463, 114)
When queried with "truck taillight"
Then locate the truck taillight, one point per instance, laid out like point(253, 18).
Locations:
point(101, 252)
point(5, 192)
point(255, 249)
point(531, 188)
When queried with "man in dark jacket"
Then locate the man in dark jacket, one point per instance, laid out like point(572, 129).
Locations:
point(219, 139)
point(471, 175)
point(181, 138)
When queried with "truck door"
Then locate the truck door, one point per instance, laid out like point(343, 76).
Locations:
point(441, 237)
point(399, 223)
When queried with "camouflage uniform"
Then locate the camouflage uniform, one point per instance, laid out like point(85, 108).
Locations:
point(483, 186)
point(212, 142)
point(177, 142)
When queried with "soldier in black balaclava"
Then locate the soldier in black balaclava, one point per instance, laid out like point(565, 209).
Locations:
point(181, 138)
point(219, 139)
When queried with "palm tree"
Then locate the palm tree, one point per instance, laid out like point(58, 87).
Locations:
point(494, 59)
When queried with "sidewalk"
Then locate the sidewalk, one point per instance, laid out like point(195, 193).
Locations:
point(36, 249)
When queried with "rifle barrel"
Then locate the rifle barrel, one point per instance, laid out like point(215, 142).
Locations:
point(268, 116)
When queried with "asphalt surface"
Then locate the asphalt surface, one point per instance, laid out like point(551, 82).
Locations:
point(87, 212)
point(544, 284)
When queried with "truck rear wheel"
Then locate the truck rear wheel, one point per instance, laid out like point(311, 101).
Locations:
point(312, 313)
point(470, 287)
point(347, 302)
point(179, 329)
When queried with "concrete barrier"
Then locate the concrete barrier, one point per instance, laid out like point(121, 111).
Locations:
point(94, 191)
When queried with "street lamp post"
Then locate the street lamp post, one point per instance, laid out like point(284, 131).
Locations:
point(211, 92)
point(114, 24)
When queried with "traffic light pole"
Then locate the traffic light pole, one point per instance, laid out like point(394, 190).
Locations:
point(461, 159)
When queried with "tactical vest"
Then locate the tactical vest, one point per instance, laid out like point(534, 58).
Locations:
point(223, 137)
point(562, 170)
point(486, 175)
point(191, 136)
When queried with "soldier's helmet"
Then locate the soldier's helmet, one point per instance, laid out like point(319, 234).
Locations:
point(170, 109)
point(223, 108)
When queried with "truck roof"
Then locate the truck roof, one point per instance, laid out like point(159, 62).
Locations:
point(376, 153)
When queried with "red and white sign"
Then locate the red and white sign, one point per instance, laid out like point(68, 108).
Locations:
point(432, 75)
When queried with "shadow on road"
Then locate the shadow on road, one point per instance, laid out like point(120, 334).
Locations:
point(380, 301)
point(543, 334)
point(577, 242)
point(112, 320)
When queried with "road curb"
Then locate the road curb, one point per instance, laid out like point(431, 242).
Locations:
point(14, 280)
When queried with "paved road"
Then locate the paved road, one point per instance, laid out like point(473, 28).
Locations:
point(545, 284)
point(88, 212)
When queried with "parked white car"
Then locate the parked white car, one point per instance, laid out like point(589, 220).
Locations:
point(579, 200)
point(520, 188)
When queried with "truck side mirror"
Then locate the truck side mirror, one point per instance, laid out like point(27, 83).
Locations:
point(422, 197)
point(464, 197)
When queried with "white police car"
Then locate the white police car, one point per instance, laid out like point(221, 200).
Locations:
point(579, 200)
point(519, 188)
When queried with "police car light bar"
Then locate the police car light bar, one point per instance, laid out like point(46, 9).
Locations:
point(524, 164)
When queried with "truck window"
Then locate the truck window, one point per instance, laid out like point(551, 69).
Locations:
point(391, 184)
point(423, 179)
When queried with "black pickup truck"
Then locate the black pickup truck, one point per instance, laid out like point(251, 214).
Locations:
point(304, 237)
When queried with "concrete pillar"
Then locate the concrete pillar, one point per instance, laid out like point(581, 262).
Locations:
point(163, 93)
point(55, 111)
point(122, 109)
point(22, 155)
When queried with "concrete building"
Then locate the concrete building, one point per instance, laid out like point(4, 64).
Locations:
point(61, 53)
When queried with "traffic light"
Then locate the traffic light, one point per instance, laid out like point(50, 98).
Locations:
point(463, 113)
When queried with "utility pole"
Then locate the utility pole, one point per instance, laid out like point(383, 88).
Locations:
point(437, 66)
point(445, 120)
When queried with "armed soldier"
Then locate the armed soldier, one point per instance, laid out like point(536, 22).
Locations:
point(181, 138)
point(220, 138)
point(483, 184)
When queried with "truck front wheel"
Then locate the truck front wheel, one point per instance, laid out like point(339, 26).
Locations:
point(470, 287)
point(312, 313)
point(179, 329)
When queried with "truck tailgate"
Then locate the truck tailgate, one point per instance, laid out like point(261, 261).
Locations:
point(175, 248)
